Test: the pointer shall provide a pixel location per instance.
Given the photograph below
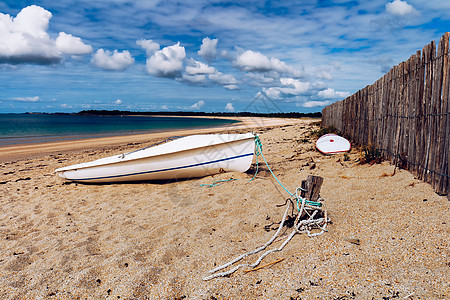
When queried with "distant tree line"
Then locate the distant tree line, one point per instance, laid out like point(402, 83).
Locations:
point(193, 113)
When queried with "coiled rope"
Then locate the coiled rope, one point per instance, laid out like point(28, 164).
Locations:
point(309, 208)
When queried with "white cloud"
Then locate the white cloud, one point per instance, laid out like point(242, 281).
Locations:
point(65, 105)
point(290, 88)
point(273, 92)
point(118, 101)
point(295, 86)
point(208, 49)
point(231, 87)
point(24, 39)
point(165, 107)
point(199, 73)
point(113, 61)
point(26, 99)
point(324, 75)
point(167, 62)
point(149, 45)
point(253, 61)
point(223, 79)
point(229, 107)
point(261, 79)
point(198, 104)
point(196, 67)
point(332, 94)
point(315, 103)
point(399, 8)
point(69, 44)
point(194, 79)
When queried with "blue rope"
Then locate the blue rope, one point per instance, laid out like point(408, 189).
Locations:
point(259, 145)
point(258, 152)
point(218, 182)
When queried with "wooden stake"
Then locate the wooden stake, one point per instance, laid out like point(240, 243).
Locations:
point(312, 185)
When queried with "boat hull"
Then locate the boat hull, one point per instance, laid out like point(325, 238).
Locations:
point(230, 155)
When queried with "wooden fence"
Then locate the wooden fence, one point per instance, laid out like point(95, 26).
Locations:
point(405, 114)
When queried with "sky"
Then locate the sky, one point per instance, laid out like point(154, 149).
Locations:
point(196, 55)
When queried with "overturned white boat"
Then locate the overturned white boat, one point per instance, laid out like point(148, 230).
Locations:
point(186, 157)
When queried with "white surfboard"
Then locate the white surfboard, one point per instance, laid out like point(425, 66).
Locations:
point(332, 143)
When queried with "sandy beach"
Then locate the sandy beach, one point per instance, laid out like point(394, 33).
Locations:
point(389, 236)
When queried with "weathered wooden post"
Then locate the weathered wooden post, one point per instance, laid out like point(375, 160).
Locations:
point(311, 187)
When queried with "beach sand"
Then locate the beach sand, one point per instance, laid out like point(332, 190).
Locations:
point(389, 236)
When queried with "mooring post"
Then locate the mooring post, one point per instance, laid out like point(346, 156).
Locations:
point(311, 187)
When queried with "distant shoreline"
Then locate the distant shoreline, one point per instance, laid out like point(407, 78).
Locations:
point(289, 115)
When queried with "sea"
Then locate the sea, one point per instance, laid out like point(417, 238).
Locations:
point(37, 128)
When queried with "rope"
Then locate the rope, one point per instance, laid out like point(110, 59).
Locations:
point(300, 226)
point(259, 152)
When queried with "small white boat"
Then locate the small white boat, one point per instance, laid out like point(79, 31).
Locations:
point(332, 144)
point(186, 157)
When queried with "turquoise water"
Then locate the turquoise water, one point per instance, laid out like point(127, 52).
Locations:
point(27, 128)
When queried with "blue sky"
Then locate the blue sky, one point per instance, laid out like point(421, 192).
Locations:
point(194, 55)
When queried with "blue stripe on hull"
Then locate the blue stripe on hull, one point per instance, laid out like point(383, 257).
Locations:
point(163, 170)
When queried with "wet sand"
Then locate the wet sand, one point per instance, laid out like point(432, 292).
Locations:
point(389, 236)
